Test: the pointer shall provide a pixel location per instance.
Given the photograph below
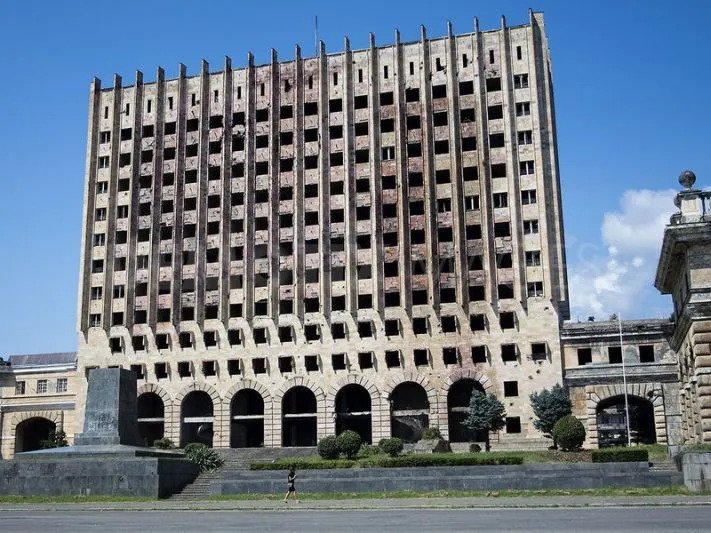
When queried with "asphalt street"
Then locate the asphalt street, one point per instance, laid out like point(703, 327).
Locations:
point(677, 518)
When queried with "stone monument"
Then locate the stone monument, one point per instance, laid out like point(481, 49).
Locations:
point(105, 458)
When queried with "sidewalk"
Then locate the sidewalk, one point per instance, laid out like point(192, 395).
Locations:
point(371, 504)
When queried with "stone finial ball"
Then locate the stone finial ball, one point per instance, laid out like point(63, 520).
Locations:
point(687, 179)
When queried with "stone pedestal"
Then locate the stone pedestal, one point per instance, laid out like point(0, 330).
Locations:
point(110, 417)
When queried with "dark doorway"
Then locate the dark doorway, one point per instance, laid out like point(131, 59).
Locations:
point(196, 414)
point(410, 411)
point(612, 426)
point(458, 398)
point(247, 419)
point(151, 418)
point(353, 409)
point(30, 433)
point(298, 421)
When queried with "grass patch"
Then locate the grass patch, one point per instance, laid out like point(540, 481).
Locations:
point(98, 498)
point(679, 490)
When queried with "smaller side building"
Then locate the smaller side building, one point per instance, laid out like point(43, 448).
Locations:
point(593, 353)
point(37, 396)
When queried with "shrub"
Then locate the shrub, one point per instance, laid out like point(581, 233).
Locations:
point(348, 443)
point(392, 446)
point(569, 433)
point(368, 450)
point(431, 433)
point(485, 413)
point(164, 444)
point(549, 406)
point(57, 439)
point(474, 447)
point(189, 448)
point(327, 447)
point(620, 455)
point(205, 458)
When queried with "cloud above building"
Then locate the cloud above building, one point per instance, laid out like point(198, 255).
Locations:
point(617, 277)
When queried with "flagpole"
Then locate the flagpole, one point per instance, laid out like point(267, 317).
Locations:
point(624, 383)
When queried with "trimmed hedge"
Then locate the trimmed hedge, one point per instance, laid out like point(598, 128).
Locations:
point(392, 446)
point(303, 464)
point(620, 455)
point(414, 460)
point(348, 443)
point(569, 433)
point(384, 461)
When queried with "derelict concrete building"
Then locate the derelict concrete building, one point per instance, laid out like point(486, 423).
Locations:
point(353, 240)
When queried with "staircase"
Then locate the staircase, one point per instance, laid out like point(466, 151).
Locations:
point(235, 465)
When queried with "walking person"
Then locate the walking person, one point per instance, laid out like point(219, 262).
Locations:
point(291, 488)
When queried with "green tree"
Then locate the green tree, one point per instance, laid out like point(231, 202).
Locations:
point(549, 406)
point(486, 413)
point(56, 439)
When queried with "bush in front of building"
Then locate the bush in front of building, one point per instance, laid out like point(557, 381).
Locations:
point(620, 455)
point(486, 413)
point(348, 443)
point(474, 448)
point(431, 433)
point(204, 457)
point(392, 446)
point(549, 406)
point(164, 444)
point(569, 433)
point(56, 439)
point(328, 448)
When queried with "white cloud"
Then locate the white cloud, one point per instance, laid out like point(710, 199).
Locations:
point(618, 277)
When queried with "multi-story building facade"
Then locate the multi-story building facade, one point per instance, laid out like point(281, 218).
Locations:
point(355, 239)
point(598, 381)
point(684, 272)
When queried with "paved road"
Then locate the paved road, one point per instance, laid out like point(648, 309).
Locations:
point(681, 518)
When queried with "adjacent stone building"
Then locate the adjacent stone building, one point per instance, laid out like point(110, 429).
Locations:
point(593, 354)
point(37, 396)
point(353, 240)
point(684, 271)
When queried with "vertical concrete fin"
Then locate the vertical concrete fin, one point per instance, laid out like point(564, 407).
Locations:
point(204, 68)
point(371, 39)
point(423, 33)
point(297, 53)
point(228, 64)
point(503, 22)
point(117, 81)
point(346, 44)
point(321, 48)
point(274, 56)
point(397, 37)
point(160, 74)
point(250, 59)
point(450, 32)
point(181, 70)
point(139, 78)
point(476, 24)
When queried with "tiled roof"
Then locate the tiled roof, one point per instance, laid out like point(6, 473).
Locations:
point(42, 359)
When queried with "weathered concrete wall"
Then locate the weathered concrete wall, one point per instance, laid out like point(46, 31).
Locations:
point(514, 477)
point(149, 477)
point(696, 468)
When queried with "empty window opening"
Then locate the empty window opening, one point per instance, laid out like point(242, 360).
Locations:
point(509, 352)
point(421, 357)
point(450, 356)
point(513, 424)
point(366, 360)
point(646, 354)
point(392, 359)
point(479, 354)
point(286, 364)
point(339, 361)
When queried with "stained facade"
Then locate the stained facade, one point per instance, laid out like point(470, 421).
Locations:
point(331, 241)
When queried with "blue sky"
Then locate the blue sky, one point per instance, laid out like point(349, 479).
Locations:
point(631, 84)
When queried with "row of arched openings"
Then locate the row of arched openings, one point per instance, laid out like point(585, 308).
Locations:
point(409, 412)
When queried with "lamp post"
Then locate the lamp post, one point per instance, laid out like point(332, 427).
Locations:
point(624, 383)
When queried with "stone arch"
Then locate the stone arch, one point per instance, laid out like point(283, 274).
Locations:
point(228, 427)
point(370, 424)
point(218, 438)
point(151, 431)
point(48, 420)
point(277, 415)
point(416, 420)
point(651, 392)
point(452, 378)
